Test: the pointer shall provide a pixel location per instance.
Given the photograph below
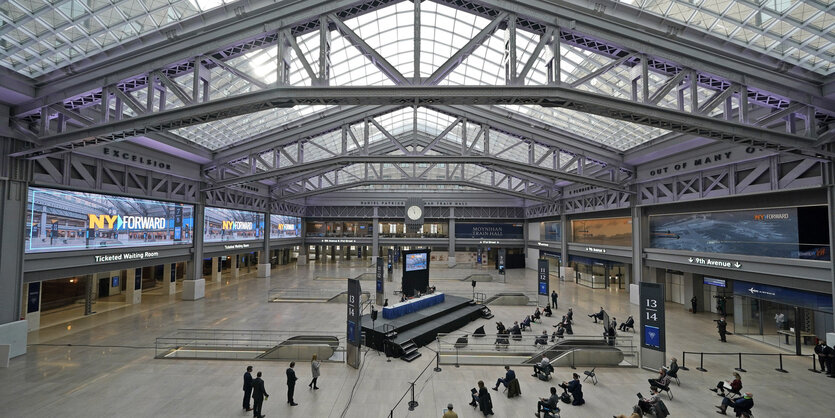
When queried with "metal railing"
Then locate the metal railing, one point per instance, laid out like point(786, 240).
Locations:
point(306, 294)
point(739, 357)
point(486, 351)
point(411, 391)
point(239, 344)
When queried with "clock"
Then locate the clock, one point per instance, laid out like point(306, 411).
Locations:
point(414, 212)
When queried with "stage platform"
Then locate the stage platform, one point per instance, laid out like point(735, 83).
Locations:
point(401, 336)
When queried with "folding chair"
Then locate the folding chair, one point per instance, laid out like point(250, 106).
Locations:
point(590, 374)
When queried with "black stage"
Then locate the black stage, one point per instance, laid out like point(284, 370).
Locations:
point(422, 326)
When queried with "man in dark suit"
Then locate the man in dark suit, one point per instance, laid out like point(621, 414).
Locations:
point(722, 327)
point(508, 377)
point(291, 383)
point(259, 393)
point(554, 297)
point(247, 387)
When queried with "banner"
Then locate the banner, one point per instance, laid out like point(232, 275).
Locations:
point(222, 225)
point(33, 298)
point(542, 277)
point(61, 220)
point(607, 231)
point(282, 226)
point(505, 231)
point(783, 295)
point(653, 335)
point(379, 277)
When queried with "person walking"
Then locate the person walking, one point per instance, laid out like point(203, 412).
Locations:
point(314, 371)
point(554, 297)
point(693, 303)
point(259, 394)
point(722, 327)
point(291, 383)
point(247, 388)
point(449, 413)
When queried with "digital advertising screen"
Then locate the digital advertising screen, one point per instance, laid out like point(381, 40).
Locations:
point(710, 281)
point(782, 232)
point(222, 225)
point(416, 261)
point(606, 231)
point(282, 226)
point(62, 220)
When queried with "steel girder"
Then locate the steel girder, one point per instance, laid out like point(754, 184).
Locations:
point(580, 28)
point(550, 96)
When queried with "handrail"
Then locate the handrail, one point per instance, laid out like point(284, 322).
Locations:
point(739, 355)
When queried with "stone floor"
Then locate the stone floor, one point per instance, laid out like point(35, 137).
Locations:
point(103, 365)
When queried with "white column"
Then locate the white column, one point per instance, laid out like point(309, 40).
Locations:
point(133, 295)
point(235, 270)
point(263, 264)
point(169, 277)
point(451, 230)
point(194, 285)
point(215, 274)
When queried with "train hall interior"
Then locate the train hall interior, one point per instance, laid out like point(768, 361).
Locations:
point(400, 203)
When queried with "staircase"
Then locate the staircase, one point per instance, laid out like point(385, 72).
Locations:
point(410, 351)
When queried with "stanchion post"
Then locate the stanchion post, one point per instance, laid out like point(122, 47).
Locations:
point(413, 403)
point(814, 368)
point(437, 361)
point(456, 358)
point(780, 369)
point(701, 367)
point(740, 369)
point(683, 361)
point(572, 358)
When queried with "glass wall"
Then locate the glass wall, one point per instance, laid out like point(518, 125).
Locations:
point(774, 315)
point(339, 229)
point(607, 231)
point(599, 274)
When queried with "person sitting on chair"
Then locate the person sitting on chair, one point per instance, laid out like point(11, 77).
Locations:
point(544, 366)
point(516, 329)
point(526, 322)
point(646, 404)
point(508, 377)
point(537, 314)
point(569, 315)
point(597, 316)
point(636, 413)
point(403, 298)
point(673, 369)
point(542, 339)
point(629, 323)
point(733, 386)
point(662, 381)
point(575, 388)
point(568, 329)
point(740, 405)
point(482, 400)
point(549, 404)
point(559, 333)
point(547, 310)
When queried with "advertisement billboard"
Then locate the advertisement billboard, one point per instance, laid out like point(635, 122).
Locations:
point(606, 231)
point(62, 220)
point(282, 226)
point(781, 232)
point(416, 261)
point(222, 225)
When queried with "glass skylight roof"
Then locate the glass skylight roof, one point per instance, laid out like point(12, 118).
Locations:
point(800, 32)
point(38, 36)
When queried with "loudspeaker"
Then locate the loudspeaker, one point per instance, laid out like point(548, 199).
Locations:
point(373, 314)
point(473, 283)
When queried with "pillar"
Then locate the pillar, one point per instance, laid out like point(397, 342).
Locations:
point(13, 197)
point(637, 245)
point(564, 273)
point(133, 286)
point(375, 238)
point(169, 278)
point(115, 286)
point(194, 285)
point(216, 267)
point(303, 247)
point(263, 264)
point(451, 230)
point(89, 281)
point(317, 252)
point(235, 270)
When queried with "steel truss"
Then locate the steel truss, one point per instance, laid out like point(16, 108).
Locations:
point(112, 113)
point(396, 212)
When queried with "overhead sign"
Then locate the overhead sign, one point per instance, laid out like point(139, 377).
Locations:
point(542, 277)
point(236, 246)
point(33, 298)
point(653, 335)
point(339, 241)
point(783, 295)
point(506, 231)
point(112, 258)
point(712, 262)
point(596, 250)
point(710, 281)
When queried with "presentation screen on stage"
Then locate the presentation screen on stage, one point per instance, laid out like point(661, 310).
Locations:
point(415, 262)
point(62, 220)
point(223, 225)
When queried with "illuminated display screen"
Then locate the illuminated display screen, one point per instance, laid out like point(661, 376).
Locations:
point(223, 225)
point(415, 262)
point(282, 226)
point(61, 220)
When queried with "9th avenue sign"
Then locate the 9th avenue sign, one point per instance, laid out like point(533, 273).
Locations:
point(712, 262)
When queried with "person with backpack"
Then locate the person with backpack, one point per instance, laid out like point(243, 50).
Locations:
point(575, 388)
